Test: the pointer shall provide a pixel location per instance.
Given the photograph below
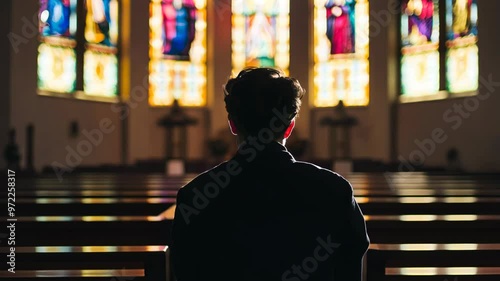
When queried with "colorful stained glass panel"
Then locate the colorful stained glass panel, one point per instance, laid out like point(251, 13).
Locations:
point(56, 68)
point(341, 42)
point(100, 76)
point(420, 52)
point(260, 34)
point(462, 57)
point(177, 52)
point(56, 54)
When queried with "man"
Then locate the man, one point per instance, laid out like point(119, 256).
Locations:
point(263, 215)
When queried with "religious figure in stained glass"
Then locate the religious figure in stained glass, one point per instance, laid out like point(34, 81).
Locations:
point(462, 51)
point(56, 53)
point(464, 22)
point(341, 53)
point(420, 20)
point(55, 17)
point(178, 40)
point(461, 20)
point(98, 22)
point(420, 61)
point(340, 19)
point(179, 18)
point(100, 72)
point(261, 32)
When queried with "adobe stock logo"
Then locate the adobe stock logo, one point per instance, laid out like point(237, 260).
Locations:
point(310, 264)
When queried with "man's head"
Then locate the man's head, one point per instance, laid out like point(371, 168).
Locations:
point(262, 99)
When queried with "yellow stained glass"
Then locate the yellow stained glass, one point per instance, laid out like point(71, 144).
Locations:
point(341, 52)
point(463, 69)
point(420, 72)
point(177, 52)
point(56, 68)
point(260, 34)
point(420, 62)
point(100, 61)
point(102, 22)
point(462, 57)
point(56, 54)
point(100, 74)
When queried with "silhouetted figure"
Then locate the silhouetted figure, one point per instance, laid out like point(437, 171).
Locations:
point(262, 215)
point(11, 152)
point(454, 164)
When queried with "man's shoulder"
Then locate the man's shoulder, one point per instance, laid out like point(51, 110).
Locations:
point(316, 173)
point(217, 177)
point(220, 176)
point(315, 170)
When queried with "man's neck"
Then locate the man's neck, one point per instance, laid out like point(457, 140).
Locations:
point(242, 141)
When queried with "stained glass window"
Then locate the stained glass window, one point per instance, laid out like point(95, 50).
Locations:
point(420, 66)
point(56, 52)
point(439, 48)
point(178, 52)
point(100, 73)
point(341, 41)
point(462, 60)
point(260, 34)
point(86, 72)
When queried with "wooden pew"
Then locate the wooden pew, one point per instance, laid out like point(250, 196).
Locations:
point(92, 206)
point(433, 262)
point(96, 233)
point(437, 197)
point(155, 205)
point(149, 263)
point(94, 230)
point(427, 228)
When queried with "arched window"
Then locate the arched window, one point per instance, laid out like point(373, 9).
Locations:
point(260, 34)
point(100, 72)
point(341, 41)
point(439, 54)
point(178, 50)
point(57, 56)
point(81, 63)
point(462, 57)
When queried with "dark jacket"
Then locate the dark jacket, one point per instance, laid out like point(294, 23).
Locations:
point(265, 216)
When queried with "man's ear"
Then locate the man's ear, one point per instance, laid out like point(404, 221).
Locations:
point(232, 127)
point(289, 130)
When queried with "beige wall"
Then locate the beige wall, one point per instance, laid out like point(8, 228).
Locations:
point(477, 138)
point(4, 78)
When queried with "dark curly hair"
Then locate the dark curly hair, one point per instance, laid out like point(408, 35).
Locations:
point(255, 96)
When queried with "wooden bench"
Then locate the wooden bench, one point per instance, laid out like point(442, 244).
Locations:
point(411, 208)
point(429, 205)
point(464, 228)
point(155, 205)
point(108, 206)
point(110, 231)
point(148, 263)
point(436, 262)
